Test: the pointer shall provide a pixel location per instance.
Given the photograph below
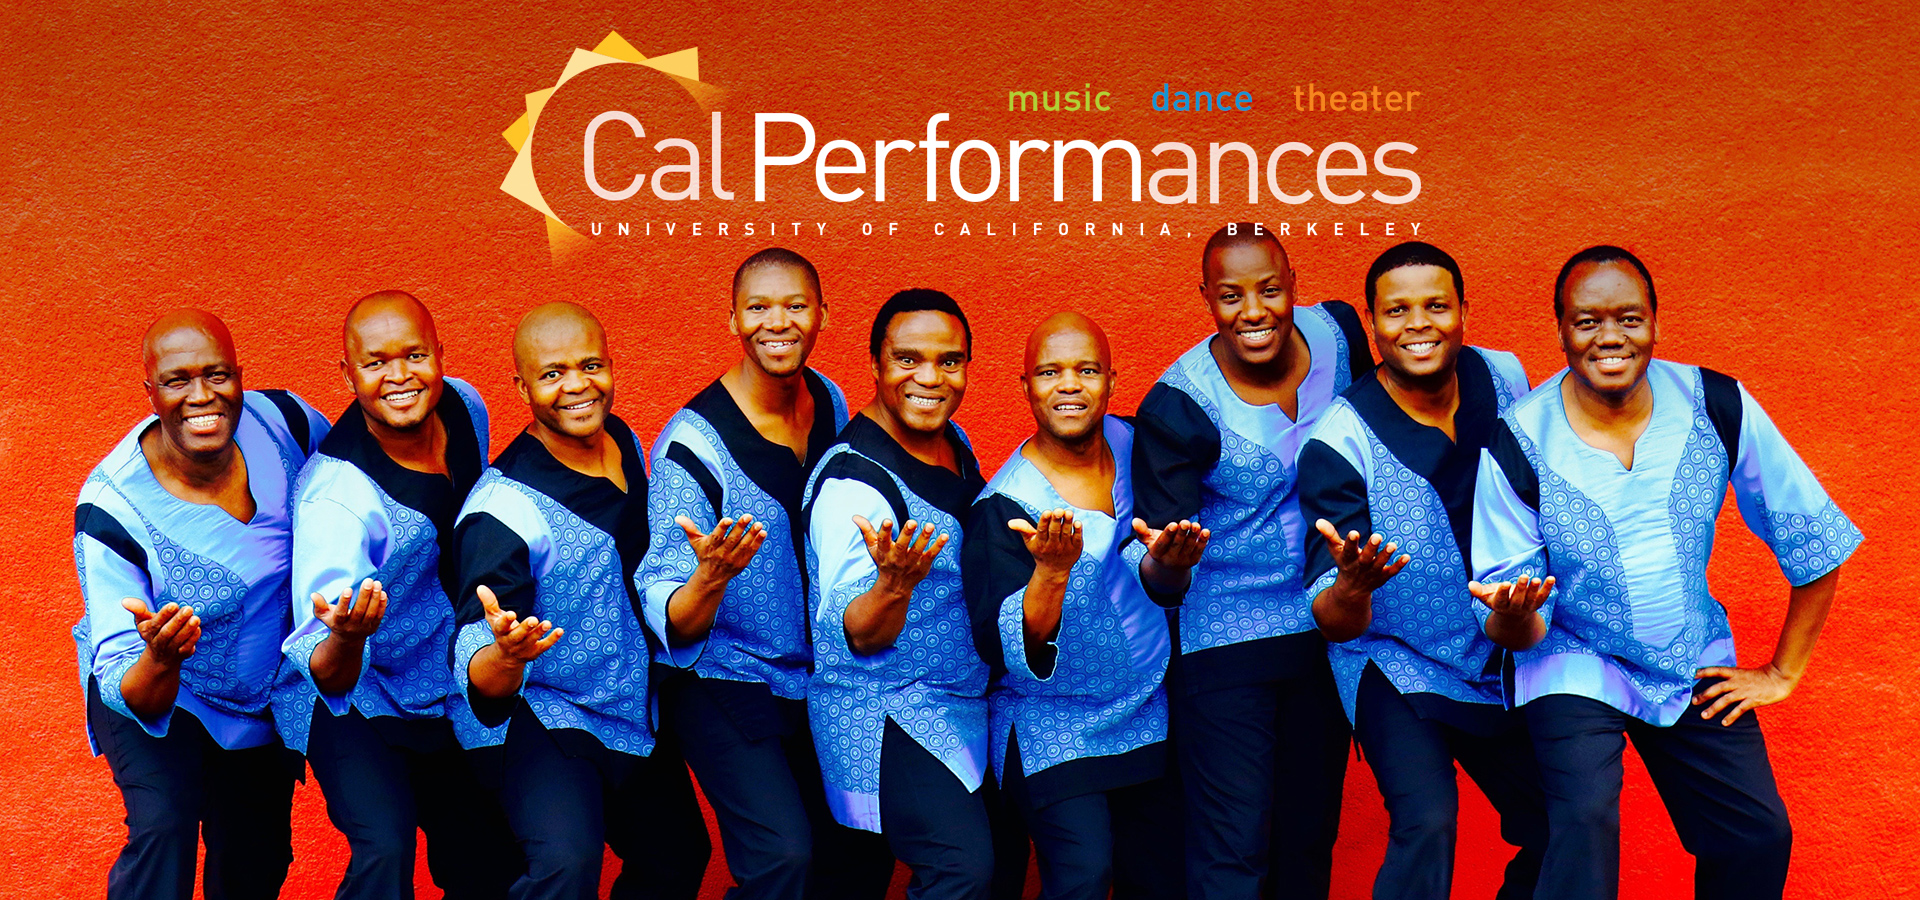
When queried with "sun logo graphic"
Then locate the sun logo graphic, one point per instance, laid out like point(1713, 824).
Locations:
point(682, 67)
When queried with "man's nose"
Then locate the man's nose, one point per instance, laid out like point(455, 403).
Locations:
point(927, 374)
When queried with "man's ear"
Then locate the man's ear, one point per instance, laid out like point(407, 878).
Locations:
point(520, 384)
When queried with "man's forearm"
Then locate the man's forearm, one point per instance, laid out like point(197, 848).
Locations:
point(336, 663)
point(1164, 579)
point(1343, 614)
point(1807, 607)
point(493, 674)
point(873, 620)
point(150, 686)
point(1040, 609)
point(692, 607)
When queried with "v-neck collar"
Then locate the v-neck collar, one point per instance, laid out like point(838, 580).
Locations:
point(769, 464)
point(435, 496)
point(949, 492)
point(595, 499)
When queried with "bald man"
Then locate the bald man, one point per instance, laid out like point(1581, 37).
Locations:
point(367, 686)
point(549, 646)
point(182, 540)
point(1258, 727)
point(1066, 590)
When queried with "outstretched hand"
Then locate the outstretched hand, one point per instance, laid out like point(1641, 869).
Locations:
point(902, 561)
point(1518, 598)
point(1742, 689)
point(171, 634)
point(726, 550)
point(354, 617)
point(1056, 542)
point(1177, 546)
point(1364, 565)
point(519, 641)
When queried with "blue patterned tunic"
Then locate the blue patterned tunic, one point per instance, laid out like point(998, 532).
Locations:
point(134, 539)
point(561, 546)
point(357, 514)
point(1631, 618)
point(1203, 453)
point(1371, 468)
point(709, 463)
point(1088, 708)
point(931, 682)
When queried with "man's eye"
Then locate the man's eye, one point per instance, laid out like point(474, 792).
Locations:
point(1090, 371)
point(174, 384)
point(217, 378)
point(416, 357)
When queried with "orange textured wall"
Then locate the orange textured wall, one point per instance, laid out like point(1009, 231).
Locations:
point(271, 162)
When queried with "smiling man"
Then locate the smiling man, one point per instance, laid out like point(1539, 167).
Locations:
point(367, 687)
point(897, 700)
point(1390, 469)
point(1218, 441)
point(1062, 582)
point(549, 646)
point(182, 540)
point(1606, 481)
point(726, 596)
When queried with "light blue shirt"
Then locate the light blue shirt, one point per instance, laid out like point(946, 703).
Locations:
point(1631, 618)
point(133, 539)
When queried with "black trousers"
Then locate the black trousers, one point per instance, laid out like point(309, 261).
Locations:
point(387, 778)
point(183, 788)
point(1126, 838)
point(753, 753)
point(1412, 759)
point(1263, 767)
point(959, 844)
point(568, 798)
point(1715, 780)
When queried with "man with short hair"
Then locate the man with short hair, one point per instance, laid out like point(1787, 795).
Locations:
point(182, 540)
point(1606, 481)
point(726, 595)
point(1395, 458)
point(367, 687)
point(897, 698)
point(549, 645)
point(1257, 724)
point(1062, 582)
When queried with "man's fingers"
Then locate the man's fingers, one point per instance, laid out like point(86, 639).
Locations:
point(320, 605)
point(1712, 691)
point(553, 637)
point(1025, 528)
point(934, 550)
point(867, 530)
point(1145, 534)
point(488, 601)
point(378, 608)
point(1712, 712)
point(1327, 531)
point(1397, 565)
point(694, 534)
point(1739, 711)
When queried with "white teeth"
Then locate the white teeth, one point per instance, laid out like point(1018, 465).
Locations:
point(1257, 335)
point(1422, 346)
point(204, 420)
point(579, 406)
point(928, 402)
point(401, 396)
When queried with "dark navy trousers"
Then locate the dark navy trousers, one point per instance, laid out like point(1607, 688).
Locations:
point(1263, 767)
point(386, 779)
point(1127, 838)
point(1715, 780)
point(568, 799)
point(753, 753)
point(959, 844)
point(183, 788)
point(1413, 757)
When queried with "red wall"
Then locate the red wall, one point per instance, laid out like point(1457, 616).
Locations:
point(275, 162)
